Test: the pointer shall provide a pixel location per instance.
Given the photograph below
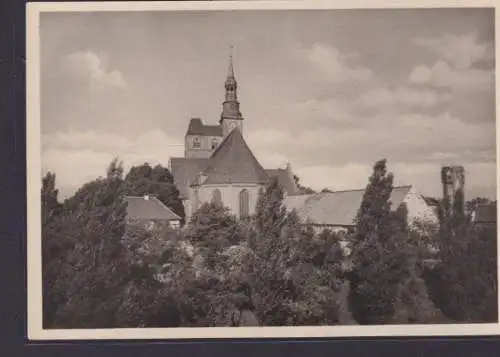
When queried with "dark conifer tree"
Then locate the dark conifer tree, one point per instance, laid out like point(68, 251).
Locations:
point(379, 255)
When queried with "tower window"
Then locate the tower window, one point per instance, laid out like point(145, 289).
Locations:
point(244, 204)
point(196, 143)
point(214, 143)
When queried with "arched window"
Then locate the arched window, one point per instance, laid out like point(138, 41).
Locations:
point(216, 196)
point(194, 201)
point(260, 194)
point(244, 204)
point(196, 143)
point(214, 143)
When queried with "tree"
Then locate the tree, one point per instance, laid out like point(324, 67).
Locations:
point(97, 267)
point(303, 190)
point(211, 229)
point(49, 198)
point(293, 274)
point(270, 213)
point(158, 181)
point(55, 246)
point(471, 205)
point(464, 283)
point(380, 252)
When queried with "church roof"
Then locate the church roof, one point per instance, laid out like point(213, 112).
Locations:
point(184, 171)
point(285, 180)
point(486, 213)
point(336, 208)
point(148, 208)
point(196, 127)
point(234, 162)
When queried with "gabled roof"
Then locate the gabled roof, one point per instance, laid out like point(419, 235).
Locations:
point(285, 180)
point(184, 171)
point(233, 162)
point(148, 208)
point(486, 213)
point(196, 127)
point(338, 208)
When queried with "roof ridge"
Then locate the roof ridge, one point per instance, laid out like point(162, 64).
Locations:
point(154, 198)
point(358, 189)
point(218, 148)
point(223, 157)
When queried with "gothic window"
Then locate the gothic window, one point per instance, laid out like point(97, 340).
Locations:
point(214, 143)
point(244, 204)
point(196, 143)
point(216, 196)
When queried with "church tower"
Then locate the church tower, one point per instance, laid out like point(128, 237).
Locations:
point(231, 116)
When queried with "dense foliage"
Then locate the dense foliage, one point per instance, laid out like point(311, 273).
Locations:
point(382, 258)
point(464, 283)
point(101, 270)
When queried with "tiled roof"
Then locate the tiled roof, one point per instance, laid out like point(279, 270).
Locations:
point(196, 127)
point(233, 162)
point(184, 171)
point(148, 208)
point(285, 180)
point(486, 213)
point(336, 208)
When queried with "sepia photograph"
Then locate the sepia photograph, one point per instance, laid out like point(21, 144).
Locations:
point(228, 169)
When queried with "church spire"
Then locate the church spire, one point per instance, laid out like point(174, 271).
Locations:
point(231, 115)
point(230, 70)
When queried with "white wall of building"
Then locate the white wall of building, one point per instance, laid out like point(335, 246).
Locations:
point(229, 196)
point(418, 209)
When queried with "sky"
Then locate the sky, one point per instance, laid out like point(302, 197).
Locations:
point(330, 92)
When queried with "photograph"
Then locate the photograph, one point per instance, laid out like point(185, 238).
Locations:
point(261, 169)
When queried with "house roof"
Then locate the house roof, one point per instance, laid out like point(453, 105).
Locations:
point(234, 162)
point(338, 208)
point(285, 180)
point(196, 127)
point(148, 208)
point(486, 213)
point(184, 171)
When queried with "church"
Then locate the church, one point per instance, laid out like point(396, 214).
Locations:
point(218, 165)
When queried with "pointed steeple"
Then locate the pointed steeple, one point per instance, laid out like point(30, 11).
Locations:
point(231, 115)
point(230, 69)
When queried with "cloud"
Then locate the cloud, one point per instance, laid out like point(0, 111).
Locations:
point(408, 137)
point(329, 61)
point(78, 157)
point(339, 177)
point(80, 90)
point(442, 75)
point(405, 97)
point(462, 62)
point(480, 177)
point(87, 67)
point(461, 51)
